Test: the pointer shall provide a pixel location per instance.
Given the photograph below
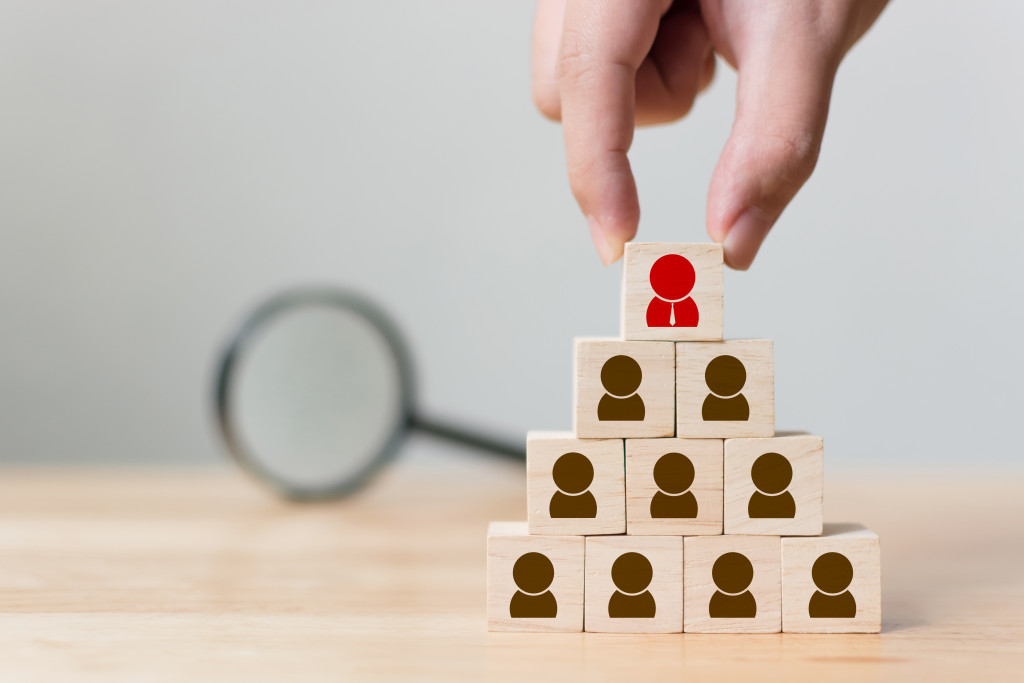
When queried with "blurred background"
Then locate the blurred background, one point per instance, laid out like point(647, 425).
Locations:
point(166, 165)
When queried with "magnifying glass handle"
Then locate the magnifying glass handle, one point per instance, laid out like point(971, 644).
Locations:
point(469, 438)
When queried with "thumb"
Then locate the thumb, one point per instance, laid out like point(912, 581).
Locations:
point(781, 106)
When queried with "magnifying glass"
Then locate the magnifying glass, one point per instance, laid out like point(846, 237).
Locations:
point(315, 393)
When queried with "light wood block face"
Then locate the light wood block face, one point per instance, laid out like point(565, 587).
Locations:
point(624, 389)
point(634, 584)
point(534, 583)
point(672, 292)
point(725, 389)
point(832, 583)
point(673, 487)
point(574, 487)
point(774, 486)
point(733, 584)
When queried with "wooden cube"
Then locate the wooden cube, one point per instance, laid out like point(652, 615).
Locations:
point(673, 487)
point(534, 583)
point(725, 389)
point(672, 292)
point(634, 584)
point(624, 389)
point(832, 583)
point(733, 584)
point(574, 487)
point(773, 486)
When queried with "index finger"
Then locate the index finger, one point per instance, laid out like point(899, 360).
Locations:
point(603, 45)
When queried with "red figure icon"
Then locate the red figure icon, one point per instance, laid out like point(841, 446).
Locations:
point(672, 278)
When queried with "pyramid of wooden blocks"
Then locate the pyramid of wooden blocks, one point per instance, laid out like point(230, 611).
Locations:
point(674, 506)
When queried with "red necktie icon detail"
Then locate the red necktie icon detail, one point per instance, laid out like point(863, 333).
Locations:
point(672, 278)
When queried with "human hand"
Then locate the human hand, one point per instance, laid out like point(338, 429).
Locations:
point(602, 67)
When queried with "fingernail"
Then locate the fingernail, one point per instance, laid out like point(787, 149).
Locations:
point(605, 250)
point(744, 238)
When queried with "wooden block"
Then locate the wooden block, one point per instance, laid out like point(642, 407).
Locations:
point(534, 583)
point(733, 584)
point(832, 583)
point(673, 487)
point(574, 487)
point(773, 486)
point(672, 292)
point(634, 584)
point(624, 389)
point(725, 389)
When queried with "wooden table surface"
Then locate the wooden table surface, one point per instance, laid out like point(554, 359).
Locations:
point(199, 574)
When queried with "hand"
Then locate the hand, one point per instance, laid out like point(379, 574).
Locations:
point(605, 66)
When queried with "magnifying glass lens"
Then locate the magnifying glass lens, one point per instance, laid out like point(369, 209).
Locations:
point(316, 396)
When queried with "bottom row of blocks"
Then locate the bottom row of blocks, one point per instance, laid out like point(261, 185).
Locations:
point(694, 584)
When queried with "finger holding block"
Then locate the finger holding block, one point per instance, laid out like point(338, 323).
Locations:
point(574, 487)
point(534, 583)
point(733, 584)
point(624, 389)
point(832, 583)
point(725, 389)
point(673, 487)
point(774, 486)
point(634, 584)
point(672, 292)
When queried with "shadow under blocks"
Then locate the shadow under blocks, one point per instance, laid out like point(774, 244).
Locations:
point(673, 505)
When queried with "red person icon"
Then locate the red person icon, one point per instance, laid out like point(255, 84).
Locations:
point(672, 278)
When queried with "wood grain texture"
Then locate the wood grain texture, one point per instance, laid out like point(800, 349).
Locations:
point(705, 455)
point(656, 389)
point(637, 293)
point(665, 554)
point(692, 359)
point(509, 541)
point(607, 490)
point(804, 453)
point(164, 575)
point(700, 554)
point(857, 544)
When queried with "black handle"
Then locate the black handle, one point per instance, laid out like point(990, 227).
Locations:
point(467, 437)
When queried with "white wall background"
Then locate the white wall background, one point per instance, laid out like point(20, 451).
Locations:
point(166, 164)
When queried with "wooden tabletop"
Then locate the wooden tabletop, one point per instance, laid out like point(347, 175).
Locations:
point(200, 574)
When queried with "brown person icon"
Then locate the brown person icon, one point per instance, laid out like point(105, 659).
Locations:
point(771, 474)
point(725, 377)
point(573, 473)
point(533, 574)
point(632, 574)
point(732, 574)
point(832, 574)
point(673, 475)
point(620, 376)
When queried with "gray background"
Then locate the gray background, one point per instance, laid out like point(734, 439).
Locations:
point(164, 165)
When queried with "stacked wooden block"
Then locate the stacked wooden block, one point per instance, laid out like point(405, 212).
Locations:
point(674, 506)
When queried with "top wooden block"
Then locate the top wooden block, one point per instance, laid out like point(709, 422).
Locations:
point(672, 292)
